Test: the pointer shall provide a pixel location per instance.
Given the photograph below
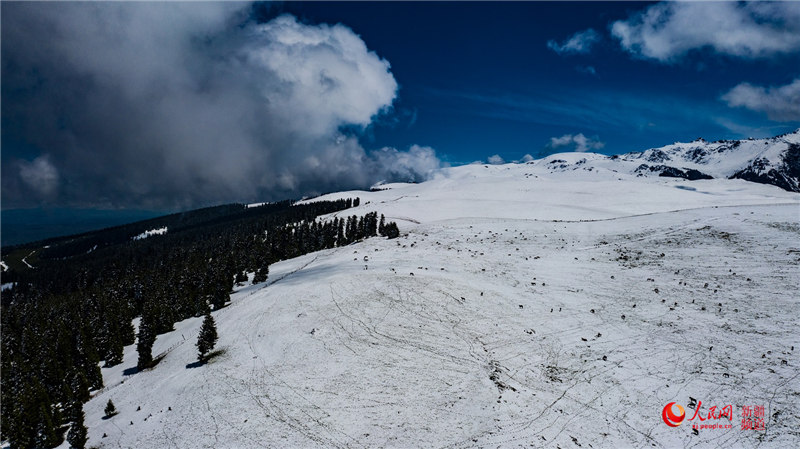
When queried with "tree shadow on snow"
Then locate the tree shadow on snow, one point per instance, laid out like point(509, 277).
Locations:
point(135, 369)
point(206, 359)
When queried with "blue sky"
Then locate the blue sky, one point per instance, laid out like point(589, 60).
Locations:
point(172, 105)
point(478, 79)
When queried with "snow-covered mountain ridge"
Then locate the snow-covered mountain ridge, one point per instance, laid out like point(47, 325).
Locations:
point(775, 160)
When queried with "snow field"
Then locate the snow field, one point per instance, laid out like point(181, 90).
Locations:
point(334, 355)
point(524, 305)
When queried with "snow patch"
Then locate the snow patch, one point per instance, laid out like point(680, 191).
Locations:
point(146, 234)
point(25, 261)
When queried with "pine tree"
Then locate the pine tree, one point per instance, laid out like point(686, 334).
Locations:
point(261, 274)
point(220, 296)
point(79, 386)
point(349, 229)
point(115, 350)
point(340, 241)
point(392, 231)
point(127, 332)
point(46, 435)
point(241, 277)
point(86, 357)
point(361, 228)
point(144, 345)
point(373, 224)
point(110, 410)
point(207, 338)
point(77, 432)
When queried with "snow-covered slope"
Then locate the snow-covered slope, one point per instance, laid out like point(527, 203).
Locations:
point(564, 186)
point(553, 304)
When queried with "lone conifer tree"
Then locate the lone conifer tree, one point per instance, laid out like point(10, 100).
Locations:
point(77, 432)
point(110, 410)
point(207, 338)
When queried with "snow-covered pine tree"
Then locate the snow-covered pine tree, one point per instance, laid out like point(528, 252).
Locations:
point(207, 338)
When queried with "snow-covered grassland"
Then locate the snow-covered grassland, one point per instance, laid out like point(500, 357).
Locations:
point(523, 306)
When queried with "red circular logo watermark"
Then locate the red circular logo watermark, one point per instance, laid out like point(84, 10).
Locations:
point(671, 418)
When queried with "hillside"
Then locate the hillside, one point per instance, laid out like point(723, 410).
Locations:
point(68, 303)
point(556, 304)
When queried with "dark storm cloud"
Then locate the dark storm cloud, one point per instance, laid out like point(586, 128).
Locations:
point(179, 104)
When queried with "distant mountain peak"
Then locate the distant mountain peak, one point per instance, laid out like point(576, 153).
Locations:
point(774, 160)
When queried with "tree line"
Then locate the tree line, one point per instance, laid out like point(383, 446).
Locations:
point(73, 312)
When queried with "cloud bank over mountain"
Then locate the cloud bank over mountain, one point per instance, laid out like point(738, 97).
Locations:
point(178, 104)
point(575, 142)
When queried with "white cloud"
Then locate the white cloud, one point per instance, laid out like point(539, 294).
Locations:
point(181, 104)
point(414, 165)
point(526, 158)
point(780, 103)
point(580, 42)
point(496, 160)
point(40, 175)
point(669, 30)
point(323, 76)
point(576, 142)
